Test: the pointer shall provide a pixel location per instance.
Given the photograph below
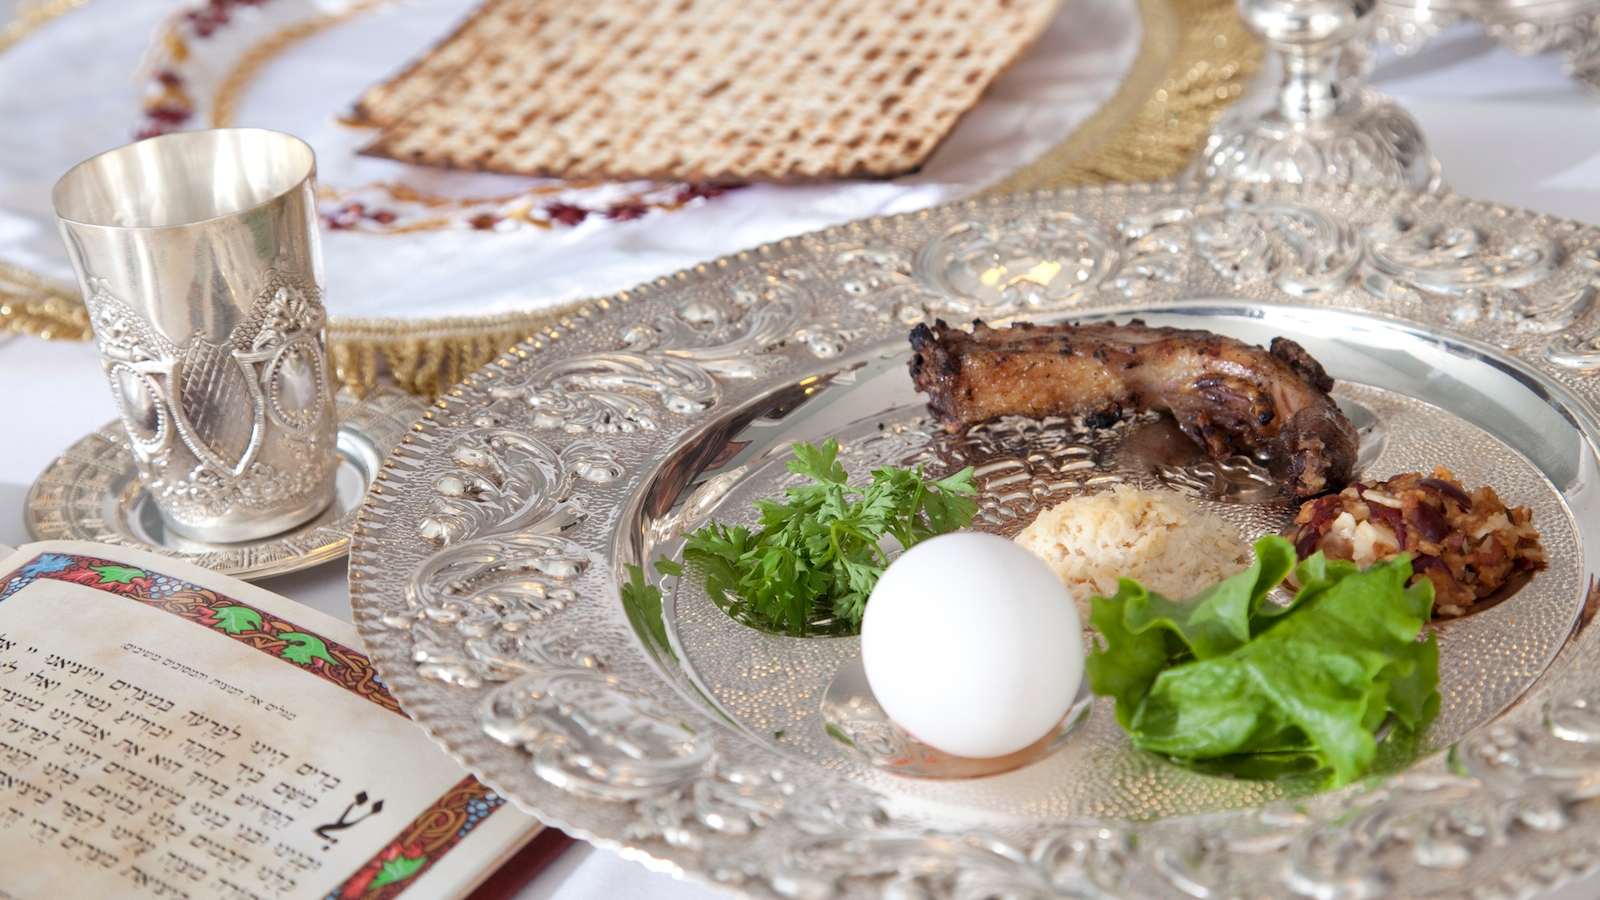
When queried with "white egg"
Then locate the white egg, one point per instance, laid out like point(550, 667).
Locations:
point(972, 645)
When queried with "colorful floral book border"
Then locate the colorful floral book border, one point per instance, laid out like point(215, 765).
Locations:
point(420, 844)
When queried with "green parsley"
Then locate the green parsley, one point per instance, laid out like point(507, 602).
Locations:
point(818, 555)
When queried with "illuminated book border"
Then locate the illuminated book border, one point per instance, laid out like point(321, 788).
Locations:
point(420, 844)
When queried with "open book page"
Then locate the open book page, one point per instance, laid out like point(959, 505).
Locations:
point(169, 732)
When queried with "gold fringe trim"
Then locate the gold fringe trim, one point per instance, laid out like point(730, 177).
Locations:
point(31, 304)
point(29, 16)
point(1194, 61)
point(226, 104)
point(423, 356)
point(427, 356)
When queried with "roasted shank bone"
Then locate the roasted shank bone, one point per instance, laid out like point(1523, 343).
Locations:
point(1229, 396)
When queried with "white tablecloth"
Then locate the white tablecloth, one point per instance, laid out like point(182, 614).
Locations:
point(1505, 128)
point(67, 93)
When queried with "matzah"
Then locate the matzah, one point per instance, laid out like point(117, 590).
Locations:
point(384, 104)
point(700, 90)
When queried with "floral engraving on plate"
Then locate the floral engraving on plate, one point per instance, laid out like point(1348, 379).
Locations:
point(592, 734)
point(589, 732)
point(984, 271)
point(997, 271)
point(505, 481)
point(878, 281)
point(733, 801)
point(501, 564)
point(1580, 351)
point(676, 356)
point(1059, 260)
point(762, 313)
point(1081, 861)
point(1484, 276)
point(1515, 783)
point(1306, 252)
point(1299, 250)
point(1153, 256)
point(585, 393)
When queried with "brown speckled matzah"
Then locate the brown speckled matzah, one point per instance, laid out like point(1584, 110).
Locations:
point(700, 89)
point(496, 19)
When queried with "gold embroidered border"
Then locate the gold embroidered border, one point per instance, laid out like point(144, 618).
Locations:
point(32, 304)
point(1194, 61)
point(29, 16)
point(238, 79)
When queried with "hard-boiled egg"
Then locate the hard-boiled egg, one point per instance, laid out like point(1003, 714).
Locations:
point(973, 645)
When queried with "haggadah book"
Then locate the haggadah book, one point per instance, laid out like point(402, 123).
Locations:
point(172, 733)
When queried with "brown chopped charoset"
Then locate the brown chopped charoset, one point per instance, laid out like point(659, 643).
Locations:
point(1468, 545)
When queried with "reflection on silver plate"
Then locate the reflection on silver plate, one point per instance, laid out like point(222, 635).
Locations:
point(92, 493)
point(852, 717)
point(492, 565)
point(765, 683)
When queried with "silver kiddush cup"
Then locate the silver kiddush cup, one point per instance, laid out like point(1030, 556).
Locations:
point(199, 259)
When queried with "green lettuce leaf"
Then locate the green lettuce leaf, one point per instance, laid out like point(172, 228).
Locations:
point(1144, 632)
point(1226, 673)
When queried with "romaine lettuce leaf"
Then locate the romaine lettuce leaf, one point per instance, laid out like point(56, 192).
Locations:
point(1227, 673)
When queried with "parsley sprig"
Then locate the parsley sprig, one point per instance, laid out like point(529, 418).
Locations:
point(818, 555)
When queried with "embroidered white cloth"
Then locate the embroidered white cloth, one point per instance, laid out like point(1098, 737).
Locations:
point(67, 92)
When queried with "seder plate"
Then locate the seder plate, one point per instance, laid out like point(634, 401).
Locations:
point(91, 492)
point(489, 569)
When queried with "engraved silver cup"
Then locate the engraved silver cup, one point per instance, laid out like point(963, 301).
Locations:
point(199, 259)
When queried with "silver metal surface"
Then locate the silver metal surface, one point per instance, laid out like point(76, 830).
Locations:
point(1536, 26)
point(1327, 126)
point(491, 569)
point(852, 716)
point(1409, 25)
point(199, 260)
point(1024, 466)
point(92, 492)
point(1528, 27)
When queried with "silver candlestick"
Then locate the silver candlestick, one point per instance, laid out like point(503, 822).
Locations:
point(1327, 126)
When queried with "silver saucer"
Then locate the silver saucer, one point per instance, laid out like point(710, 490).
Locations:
point(91, 492)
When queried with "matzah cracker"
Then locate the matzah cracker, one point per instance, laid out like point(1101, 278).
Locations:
point(384, 104)
point(700, 90)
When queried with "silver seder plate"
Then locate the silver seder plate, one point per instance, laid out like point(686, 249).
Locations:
point(490, 566)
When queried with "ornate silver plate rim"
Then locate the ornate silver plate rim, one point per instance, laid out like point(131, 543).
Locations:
point(91, 493)
point(490, 581)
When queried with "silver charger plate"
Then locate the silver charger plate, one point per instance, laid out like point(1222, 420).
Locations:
point(91, 492)
point(491, 567)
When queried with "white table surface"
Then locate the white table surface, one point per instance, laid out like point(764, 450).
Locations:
point(1506, 128)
